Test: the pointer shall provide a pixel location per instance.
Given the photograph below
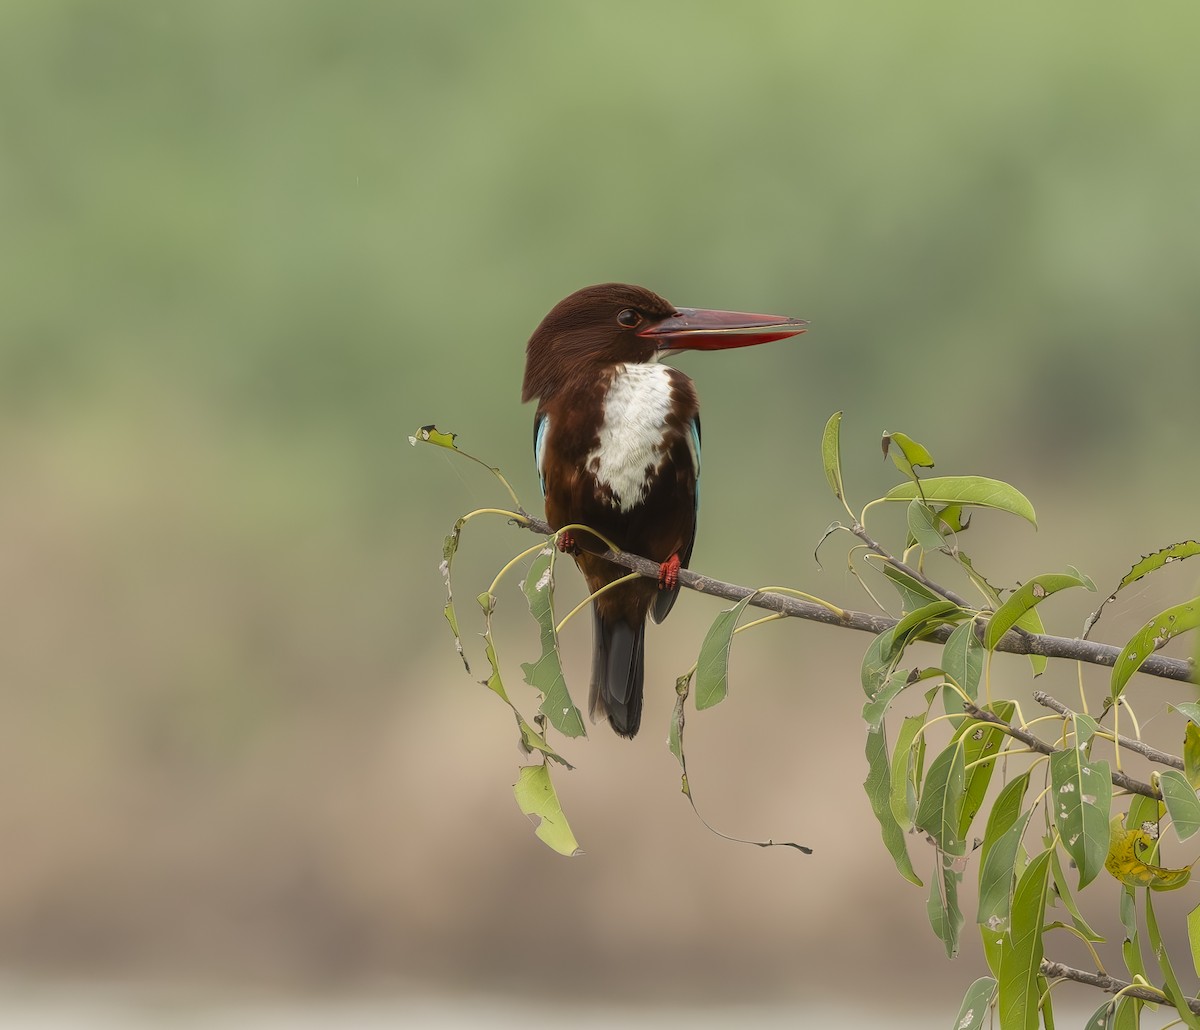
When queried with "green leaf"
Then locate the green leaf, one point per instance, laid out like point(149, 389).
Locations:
point(913, 593)
point(876, 708)
point(925, 527)
point(962, 662)
point(1191, 753)
point(1131, 947)
point(1021, 961)
point(940, 808)
point(1118, 1014)
point(1065, 894)
point(1025, 598)
point(976, 490)
point(951, 516)
point(878, 787)
point(973, 1012)
point(1082, 793)
point(1148, 564)
point(945, 915)
point(536, 796)
point(1006, 809)
point(997, 870)
point(905, 763)
point(1181, 801)
point(918, 622)
point(546, 673)
point(1083, 728)
point(906, 454)
point(980, 740)
point(831, 455)
point(1171, 988)
point(712, 667)
point(1193, 929)
point(962, 659)
point(878, 662)
point(1031, 622)
point(1150, 638)
point(1188, 708)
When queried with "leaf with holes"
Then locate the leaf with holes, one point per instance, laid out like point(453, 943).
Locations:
point(546, 673)
point(535, 795)
point(1126, 846)
point(1152, 636)
point(973, 1012)
point(1026, 597)
point(1082, 797)
point(1148, 564)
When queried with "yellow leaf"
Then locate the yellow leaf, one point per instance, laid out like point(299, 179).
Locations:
point(1123, 861)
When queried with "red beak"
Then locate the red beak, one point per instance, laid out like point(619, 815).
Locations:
point(699, 329)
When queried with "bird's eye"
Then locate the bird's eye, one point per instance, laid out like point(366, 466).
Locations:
point(628, 318)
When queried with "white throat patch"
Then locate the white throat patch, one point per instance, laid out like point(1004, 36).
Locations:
point(631, 439)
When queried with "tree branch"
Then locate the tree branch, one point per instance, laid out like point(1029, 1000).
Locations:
point(1110, 984)
point(1041, 747)
point(1013, 642)
point(860, 531)
point(1145, 750)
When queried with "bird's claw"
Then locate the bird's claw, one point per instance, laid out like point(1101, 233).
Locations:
point(668, 573)
point(566, 543)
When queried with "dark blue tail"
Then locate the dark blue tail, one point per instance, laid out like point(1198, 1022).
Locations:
point(618, 667)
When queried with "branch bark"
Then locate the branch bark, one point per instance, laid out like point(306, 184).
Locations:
point(1110, 984)
point(1119, 778)
point(1013, 642)
point(1145, 750)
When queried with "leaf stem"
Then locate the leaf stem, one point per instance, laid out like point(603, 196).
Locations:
point(591, 597)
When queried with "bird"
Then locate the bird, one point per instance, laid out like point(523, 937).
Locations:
point(616, 440)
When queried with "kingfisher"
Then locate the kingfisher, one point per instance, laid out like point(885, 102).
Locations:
point(616, 438)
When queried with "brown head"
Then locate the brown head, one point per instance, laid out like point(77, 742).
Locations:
point(601, 326)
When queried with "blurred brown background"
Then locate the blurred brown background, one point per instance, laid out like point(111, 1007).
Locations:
point(248, 248)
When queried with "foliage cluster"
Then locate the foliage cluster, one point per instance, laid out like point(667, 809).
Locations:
point(1064, 814)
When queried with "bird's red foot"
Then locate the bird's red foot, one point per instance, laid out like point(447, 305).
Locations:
point(566, 544)
point(668, 573)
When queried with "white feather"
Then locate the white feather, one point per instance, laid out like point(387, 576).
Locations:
point(632, 437)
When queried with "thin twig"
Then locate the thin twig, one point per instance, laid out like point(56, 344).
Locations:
point(1012, 642)
point(860, 531)
point(1145, 750)
point(1119, 779)
point(1110, 984)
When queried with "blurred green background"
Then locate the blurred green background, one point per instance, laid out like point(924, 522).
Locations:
point(249, 247)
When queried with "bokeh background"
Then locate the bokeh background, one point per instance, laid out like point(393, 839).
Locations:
point(249, 247)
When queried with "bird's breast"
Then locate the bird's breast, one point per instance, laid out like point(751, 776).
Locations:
point(633, 436)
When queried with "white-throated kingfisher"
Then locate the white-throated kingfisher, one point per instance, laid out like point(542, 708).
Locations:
point(617, 445)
